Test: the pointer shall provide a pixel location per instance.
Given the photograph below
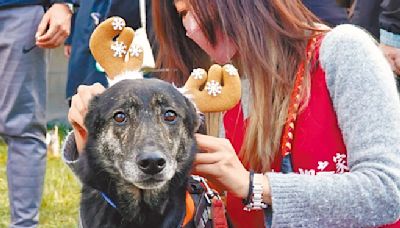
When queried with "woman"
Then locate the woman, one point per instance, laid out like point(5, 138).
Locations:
point(321, 103)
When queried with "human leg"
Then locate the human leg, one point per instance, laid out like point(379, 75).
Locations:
point(22, 111)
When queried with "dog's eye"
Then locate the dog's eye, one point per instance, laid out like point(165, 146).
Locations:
point(119, 117)
point(169, 116)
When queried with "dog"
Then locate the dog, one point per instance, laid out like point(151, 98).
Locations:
point(139, 153)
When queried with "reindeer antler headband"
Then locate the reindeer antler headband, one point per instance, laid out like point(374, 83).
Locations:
point(217, 90)
point(117, 56)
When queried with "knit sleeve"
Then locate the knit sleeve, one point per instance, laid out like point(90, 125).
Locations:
point(364, 97)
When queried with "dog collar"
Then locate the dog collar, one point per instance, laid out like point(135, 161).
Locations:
point(190, 208)
point(108, 200)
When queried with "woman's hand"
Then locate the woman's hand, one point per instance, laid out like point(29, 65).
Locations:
point(77, 112)
point(392, 54)
point(218, 162)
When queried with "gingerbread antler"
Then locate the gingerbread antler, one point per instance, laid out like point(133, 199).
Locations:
point(216, 91)
point(112, 45)
point(117, 56)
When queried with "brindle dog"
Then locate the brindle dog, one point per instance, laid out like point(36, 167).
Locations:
point(138, 156)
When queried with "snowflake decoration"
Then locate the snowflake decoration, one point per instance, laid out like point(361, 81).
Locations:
point(197, 73)
point(118, 23)
point(213, 88)
point(119, 48)
point(135, 50)
point(232, 71)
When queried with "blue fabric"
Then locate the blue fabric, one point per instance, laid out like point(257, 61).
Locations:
point(68, 41)
point(328, 11)
point(268, 217)
point(82, 66)
point(11, 3)
point(8, 3)
point(389, 38)
point(130, 11)
point(287, 166)
point(109, 201)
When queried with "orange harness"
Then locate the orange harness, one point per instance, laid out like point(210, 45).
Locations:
point(189, 209)
point(204, 207)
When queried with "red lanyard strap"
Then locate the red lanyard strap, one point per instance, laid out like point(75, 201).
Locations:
point(210, 210)
point(218, 213)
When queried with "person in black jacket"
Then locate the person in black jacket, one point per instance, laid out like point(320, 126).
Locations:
point(389, 22)
point(382, 19)
point(366, 14)
point(25, 30)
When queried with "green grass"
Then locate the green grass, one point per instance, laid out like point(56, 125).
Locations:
point(60, 197)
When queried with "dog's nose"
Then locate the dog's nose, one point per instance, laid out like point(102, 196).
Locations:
point(151, 162)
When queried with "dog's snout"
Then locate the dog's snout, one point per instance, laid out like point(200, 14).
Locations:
point(151, 162)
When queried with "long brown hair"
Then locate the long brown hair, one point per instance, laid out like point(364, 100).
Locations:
point(271, 38)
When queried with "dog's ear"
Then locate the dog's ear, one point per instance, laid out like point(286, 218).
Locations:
point(93, 117)
point(202, 127)
point(195, 117)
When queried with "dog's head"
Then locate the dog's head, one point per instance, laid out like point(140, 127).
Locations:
point(141, 132)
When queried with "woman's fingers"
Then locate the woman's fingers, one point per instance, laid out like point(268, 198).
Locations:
point(208, 158)
point(76, 118)
point(205, 142)
point(80, 102)
point(85, 94)
point(221, 165)
point(209, 144)
point(77, 121)
point(205, 170)
point(78, 111)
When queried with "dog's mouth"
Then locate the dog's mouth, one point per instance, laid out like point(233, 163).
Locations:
point(154, 178)
point(152, 182)
point(145, 181)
